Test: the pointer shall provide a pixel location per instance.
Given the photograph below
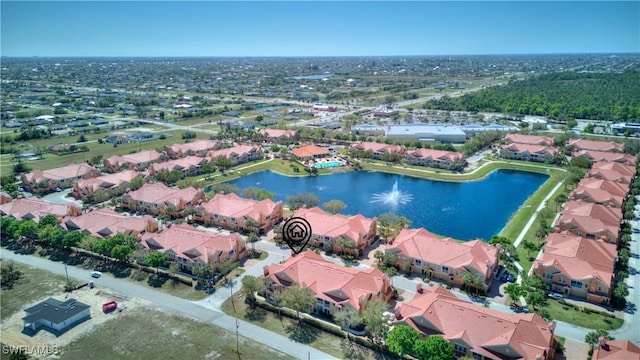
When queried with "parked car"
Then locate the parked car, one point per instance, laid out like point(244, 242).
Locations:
point(507, 277)
point(555, 295)
point(96, 274)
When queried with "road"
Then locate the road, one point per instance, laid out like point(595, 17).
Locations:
point(179, 306)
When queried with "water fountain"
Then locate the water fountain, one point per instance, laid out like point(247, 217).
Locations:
point(394, 197)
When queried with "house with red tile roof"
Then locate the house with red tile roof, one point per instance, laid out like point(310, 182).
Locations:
point(279, 136)
point(115, 183)
point(34, 209)
point(616, 350)
point(375, 150)
point(138, 160)
point(445, 259)
point(308, 152)
point(599, 191)
point(232, 212)
point(157, 198)
point(198, 147)
point(189, 247)
point(529, 139)
point(5, 198)
point(526, 152)
point(590, 220)
point(103, 223)
point(582, 144)
point(595, 156)
point(238, 154)
point(336, 287)
point(188, 166)
point(613, 171)
point(333, 231)
point(64, 177)
point(475, 331)
point(441, 159)
point(576, 266)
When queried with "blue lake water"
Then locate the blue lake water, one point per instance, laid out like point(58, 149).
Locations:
point(461, 210)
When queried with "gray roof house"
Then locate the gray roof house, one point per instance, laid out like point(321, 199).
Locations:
point(55, 316)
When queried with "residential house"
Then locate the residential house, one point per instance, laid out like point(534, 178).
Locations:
point(596, 156)
point(39, 181)
point(238, 154)
point(103, 223)
point(576, 266)
point(34, 209)
point(309, 152)
point(232, 212)
point(590, 220)
point(539, 153)
point(195, 148)
point(581, 144)
point(440, 159)
point(188, 166)
point(613, 171)
point(138, 160)
point(157, 198)
point(5, 198)
point(279, 136)
point(115, 183)
point(616, 350)
point(189, 247)
point(376, 150)
point(475, 331)
point(445, 259)
point(340, 233)
point(599, 191)
point(529, 140)
point(56, 316)
point(336, 287)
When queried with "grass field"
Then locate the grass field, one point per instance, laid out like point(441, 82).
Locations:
point(282, 325)
point(32, 286)
point(570, 315)
point(148, 334)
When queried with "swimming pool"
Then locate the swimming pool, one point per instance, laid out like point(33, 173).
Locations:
point(329, 164)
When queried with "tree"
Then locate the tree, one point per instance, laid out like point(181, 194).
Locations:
point(253, 238)
point(157, 259)
point(535, 298)
point(121, 252)
point(434, 348)
point(257, 193)
point(10, 274)
point(334, 206)
point(514, 291)
point(226, 267)
point(401, 339)
point(48, 220)
point(251, 285)
point(202, 271)
point(593, 337)
point(298, 298)
point(374, 320)
point(251, 224)
point(137, 182)
point(259, 119)
point(348, 318)
point(472, 281)
point(26, 228)
point(72, 239)
point(309, 200)
point(529, 246)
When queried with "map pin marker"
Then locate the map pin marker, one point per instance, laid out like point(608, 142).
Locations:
point(296, 232)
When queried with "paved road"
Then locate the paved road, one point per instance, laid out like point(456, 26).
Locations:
point(179, 306)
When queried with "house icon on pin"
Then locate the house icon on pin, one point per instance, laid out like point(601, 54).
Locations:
point(297, 232)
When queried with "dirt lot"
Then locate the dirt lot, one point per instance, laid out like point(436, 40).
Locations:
point(11, 328)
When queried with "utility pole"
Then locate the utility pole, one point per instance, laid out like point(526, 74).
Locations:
point(66, 272)
point(237, 338)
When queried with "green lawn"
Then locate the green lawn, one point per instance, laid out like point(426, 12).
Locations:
point(34, 285)
point(282, 325)
point(148, 334)
point(570, 315)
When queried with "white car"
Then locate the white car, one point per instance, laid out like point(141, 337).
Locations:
point(555, 295)
point(96, 274)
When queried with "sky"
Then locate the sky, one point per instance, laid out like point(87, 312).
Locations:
point(316, 28)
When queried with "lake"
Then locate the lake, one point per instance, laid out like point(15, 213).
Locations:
point(461, 210)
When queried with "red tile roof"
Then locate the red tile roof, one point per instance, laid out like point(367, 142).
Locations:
point(107, 181)
point(486, 332)
point(436, 154)
point(581, 144)
point(613, 166)
point(235, 151)
point(531, 149)
point(324, 224)
point(189, 243)
point(607, 156)
point(277, 133)
point(104, 223)
point(196, 146)
point(529, 139)
point(423, 245)
point(616, 350)
point(233, 206)
point(140, 157)
point(377, 148)
point(71, 171)
point(579, 258)
point(34, 209)
point(310, 151)
point(329, 281)
point(178, 164)
point(591, 218)
point(159, 193)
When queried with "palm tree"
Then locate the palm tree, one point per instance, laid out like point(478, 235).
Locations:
point(253, 238)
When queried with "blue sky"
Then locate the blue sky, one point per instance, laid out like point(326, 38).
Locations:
point(316, 28)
